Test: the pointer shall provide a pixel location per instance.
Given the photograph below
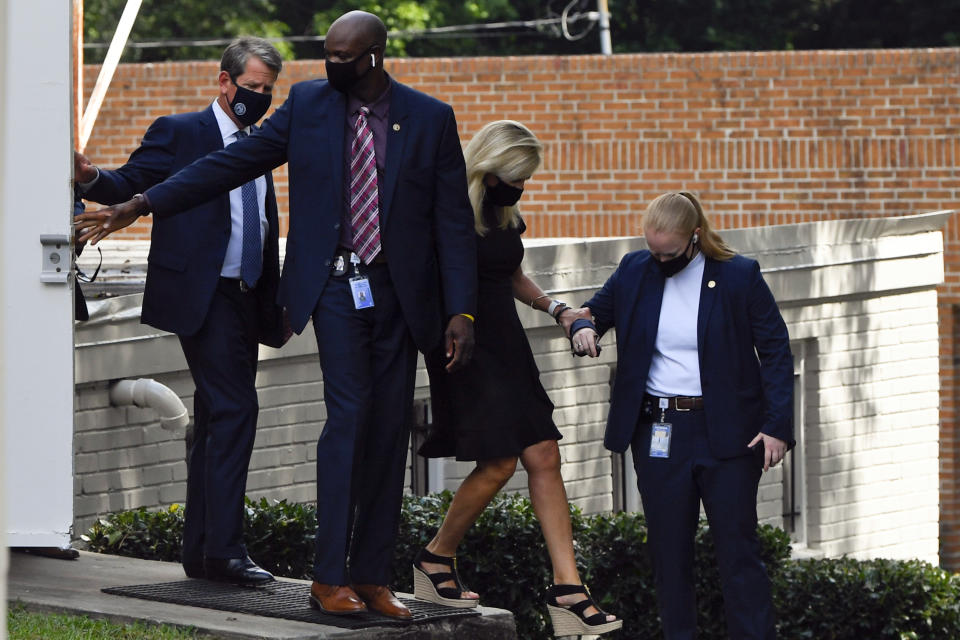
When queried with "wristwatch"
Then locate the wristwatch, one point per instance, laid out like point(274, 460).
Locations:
point(553, 306)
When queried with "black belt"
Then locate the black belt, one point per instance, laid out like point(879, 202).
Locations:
point(340, 264)
point(677, 403)
point(236, 283)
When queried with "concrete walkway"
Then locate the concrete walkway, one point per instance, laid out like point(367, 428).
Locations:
point(73, 586)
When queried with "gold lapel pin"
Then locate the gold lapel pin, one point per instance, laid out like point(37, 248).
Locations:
point(711, 284)
point(396, 126)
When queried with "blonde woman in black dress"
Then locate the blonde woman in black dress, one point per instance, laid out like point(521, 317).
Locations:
point(495, 411)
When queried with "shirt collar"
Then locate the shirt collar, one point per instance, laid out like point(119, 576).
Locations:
point(228, 128)
point(379, 108)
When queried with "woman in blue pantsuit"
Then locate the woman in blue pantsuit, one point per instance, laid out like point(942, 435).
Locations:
point(704, 398)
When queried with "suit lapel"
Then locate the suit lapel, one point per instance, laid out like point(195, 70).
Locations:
point(397, 130)
point(335, 113)
point(709, 287)
point(646, 292)
point(208, 132)
point(209, 139)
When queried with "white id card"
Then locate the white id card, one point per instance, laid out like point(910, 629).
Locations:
point(362, 296)
point(660, 439)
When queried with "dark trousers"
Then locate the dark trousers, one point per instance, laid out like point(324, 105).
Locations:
point(222, 357)
point(671, 490)
point(368, 360)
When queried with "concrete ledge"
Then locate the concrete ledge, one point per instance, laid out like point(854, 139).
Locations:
point(73, 586)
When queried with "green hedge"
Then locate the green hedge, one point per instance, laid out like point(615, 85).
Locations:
point(505, 559)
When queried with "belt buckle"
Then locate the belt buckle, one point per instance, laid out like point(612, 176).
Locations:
point(243, 287)
point(676, 405)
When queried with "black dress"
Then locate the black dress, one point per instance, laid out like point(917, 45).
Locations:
point(495, 407)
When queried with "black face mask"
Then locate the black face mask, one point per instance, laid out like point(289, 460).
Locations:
point(674, 266)
point(503, 194)
point(249, 106)
point(343, 76)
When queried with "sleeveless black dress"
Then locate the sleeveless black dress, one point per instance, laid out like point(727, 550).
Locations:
point(495, 407)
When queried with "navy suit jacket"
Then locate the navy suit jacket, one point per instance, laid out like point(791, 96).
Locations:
point(187, 252)
point(426, 221)
point(746, 368)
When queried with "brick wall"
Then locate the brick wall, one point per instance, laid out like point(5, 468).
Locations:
point(764, 138)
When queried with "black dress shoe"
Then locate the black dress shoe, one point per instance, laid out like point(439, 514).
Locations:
point(243, 571)
point(194, 570)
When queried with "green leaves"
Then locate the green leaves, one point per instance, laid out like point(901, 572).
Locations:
point(847, 599)
point(504, 558)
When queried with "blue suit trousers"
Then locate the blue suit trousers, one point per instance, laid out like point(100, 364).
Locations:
point(222, 357)
point(368, 359)
point(671, 490)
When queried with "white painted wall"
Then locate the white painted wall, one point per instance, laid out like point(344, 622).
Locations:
point(4, 553)
point(859, 299)
point(37, 337)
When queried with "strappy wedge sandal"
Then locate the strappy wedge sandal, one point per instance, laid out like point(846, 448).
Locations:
point(426, 586)
point(569, 620)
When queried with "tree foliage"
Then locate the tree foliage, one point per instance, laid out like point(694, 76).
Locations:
point(197, 19)
point(636, 25)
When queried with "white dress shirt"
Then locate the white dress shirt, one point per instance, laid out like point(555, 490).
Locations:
point(675, 368)
point(231, 262)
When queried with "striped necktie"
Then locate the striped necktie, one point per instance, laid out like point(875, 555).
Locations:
point(364, 200)
point(251, 256)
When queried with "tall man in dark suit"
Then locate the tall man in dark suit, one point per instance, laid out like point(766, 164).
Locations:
point(212, 278)
point(381, 252)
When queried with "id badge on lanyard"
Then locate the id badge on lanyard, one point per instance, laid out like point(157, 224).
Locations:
point(660, 433)
point(360, 286)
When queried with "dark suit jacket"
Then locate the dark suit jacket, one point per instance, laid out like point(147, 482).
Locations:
point(426, 221)
point(738, 321)
point(187, 252)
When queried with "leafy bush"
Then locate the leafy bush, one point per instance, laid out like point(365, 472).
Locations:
point(151, 535)
point(846, 599)
point(505, 559)
point(278, 535)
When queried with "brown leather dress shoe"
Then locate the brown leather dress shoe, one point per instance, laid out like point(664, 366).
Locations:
point(335, 599)
point(382, 600)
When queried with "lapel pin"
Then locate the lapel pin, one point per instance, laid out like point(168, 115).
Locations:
point(711, 284)
point(396, 126)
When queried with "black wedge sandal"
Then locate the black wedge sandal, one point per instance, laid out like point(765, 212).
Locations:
point(569, 620)
point(426, 585)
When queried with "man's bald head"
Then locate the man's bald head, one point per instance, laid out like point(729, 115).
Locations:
point(359, 25)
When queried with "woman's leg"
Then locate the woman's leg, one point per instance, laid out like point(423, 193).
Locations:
point(473, 496)
point(549, 498)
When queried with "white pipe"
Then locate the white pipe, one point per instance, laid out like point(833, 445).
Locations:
point(146, 392)
point(606, 46)
point(110, 63)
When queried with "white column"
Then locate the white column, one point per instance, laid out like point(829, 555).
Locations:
point(4, 557)
point(36, 341)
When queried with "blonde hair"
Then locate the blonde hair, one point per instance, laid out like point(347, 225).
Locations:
point(681, 212)
point(508, 150)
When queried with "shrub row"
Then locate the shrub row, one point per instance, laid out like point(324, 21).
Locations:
point(505, 559)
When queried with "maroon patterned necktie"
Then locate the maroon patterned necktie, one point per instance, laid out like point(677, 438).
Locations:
point(364, 201)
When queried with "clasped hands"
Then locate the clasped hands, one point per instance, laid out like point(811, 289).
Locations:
point(97, 225)
point(584, 341)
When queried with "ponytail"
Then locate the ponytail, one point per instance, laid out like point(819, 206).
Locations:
point(682, 212)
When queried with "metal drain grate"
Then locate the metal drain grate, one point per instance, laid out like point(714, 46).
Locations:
point(288, 600)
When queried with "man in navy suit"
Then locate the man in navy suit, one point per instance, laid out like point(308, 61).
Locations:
point(212, 278)
point(378, 209)
point(704, 375)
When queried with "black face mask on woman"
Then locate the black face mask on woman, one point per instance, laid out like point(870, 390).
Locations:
point(249, 106)
point(673, 266)
point(503, 194)
point(342, 76)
